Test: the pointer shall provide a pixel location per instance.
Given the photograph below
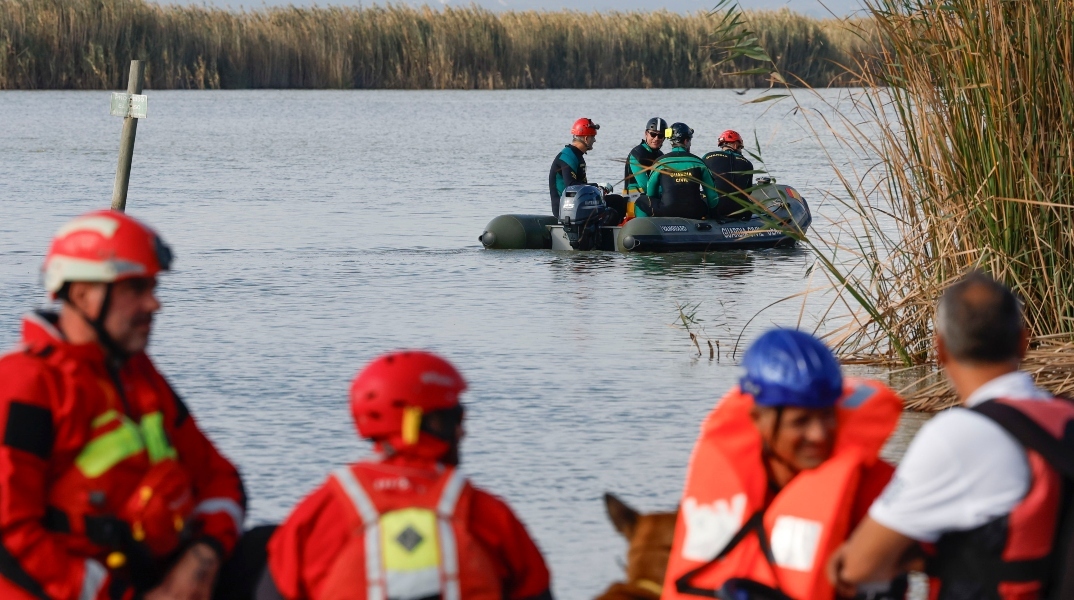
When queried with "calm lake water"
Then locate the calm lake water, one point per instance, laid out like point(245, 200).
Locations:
point(317, 229)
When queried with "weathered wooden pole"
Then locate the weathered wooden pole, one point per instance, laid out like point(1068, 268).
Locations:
point(130, 128)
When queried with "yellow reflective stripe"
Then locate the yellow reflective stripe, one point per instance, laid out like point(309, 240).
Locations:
point(411, 553)
point(108, 450)
point(104, 418)
point(156, 441)
point(408, 540)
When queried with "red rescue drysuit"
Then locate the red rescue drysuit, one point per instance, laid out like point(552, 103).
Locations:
point(99, 465)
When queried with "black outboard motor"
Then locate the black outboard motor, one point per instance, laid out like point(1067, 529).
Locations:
point(582, 211)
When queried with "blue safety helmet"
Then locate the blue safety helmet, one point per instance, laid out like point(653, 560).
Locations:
point(785, 367)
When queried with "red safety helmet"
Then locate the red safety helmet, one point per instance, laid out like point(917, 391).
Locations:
point(104, 246)
point(390, 396)
point(584, 126)
point(729, 137)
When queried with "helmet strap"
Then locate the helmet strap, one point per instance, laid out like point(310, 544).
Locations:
point(766, 448)
point(106, 341)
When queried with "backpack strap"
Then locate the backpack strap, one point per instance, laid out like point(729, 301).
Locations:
point(755, 524)
point(1058, 452)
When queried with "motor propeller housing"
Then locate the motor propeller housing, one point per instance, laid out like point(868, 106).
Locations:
point(582, 211)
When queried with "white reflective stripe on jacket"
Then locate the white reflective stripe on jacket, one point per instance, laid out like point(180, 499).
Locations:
point(404, 585)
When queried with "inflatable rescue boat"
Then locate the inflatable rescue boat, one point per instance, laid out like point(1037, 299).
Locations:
point(781, 219)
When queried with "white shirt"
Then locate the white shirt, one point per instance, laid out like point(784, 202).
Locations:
point(962, 469)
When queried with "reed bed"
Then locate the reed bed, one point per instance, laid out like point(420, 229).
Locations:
point(87, 44)
point(966, 108)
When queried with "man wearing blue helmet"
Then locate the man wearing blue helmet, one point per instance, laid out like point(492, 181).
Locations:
point(786, 463)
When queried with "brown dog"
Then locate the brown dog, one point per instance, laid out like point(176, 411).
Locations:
point(649, 540)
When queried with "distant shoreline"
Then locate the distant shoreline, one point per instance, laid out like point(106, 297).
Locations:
point(87, 44)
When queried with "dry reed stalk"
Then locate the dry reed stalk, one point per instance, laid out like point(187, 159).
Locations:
point(965, 112)
point(965, 126)
point(86, 44)
point(1051, 364)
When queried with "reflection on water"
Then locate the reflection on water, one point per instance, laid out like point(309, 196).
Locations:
point(307, 243)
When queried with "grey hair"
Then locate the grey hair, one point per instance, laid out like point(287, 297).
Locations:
point(980, 320)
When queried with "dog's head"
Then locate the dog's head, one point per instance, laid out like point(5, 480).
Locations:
point(649, 538)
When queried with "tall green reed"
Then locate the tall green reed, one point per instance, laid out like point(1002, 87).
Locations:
point(965, 110)
point(88, 43)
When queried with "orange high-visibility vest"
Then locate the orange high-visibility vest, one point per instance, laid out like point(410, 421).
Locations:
point(724, 530)
point(409, 540)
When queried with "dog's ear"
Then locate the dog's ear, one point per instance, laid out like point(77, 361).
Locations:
point(623, 517)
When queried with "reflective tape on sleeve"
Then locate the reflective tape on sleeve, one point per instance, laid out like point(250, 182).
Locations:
point(92, 579)
point(222, 505)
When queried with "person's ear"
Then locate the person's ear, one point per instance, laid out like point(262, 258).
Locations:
point(1023, 344)
point(83, 296)
point(941, 351)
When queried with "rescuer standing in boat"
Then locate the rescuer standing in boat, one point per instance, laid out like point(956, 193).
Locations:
point(407, 523)
point(642, 157)
point(985, 482)
point(680, 184)
point(732, 173)
point(108, 489)
point(569, 166)
point(786, 463)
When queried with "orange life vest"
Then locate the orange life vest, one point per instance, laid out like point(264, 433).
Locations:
point(1015, 557)
point(409, 538)
point(724, 530)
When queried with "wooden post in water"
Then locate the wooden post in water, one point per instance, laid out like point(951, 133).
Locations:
point(126, 140)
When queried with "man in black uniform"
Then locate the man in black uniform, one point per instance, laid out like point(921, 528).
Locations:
point(642, 157)
point(680, 184)
point(732, 173)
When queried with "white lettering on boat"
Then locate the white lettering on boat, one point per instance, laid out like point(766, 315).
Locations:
point(681, 228)
point(739, 232)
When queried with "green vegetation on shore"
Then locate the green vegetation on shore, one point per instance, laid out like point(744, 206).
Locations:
point(967, 111)
point(87, 44)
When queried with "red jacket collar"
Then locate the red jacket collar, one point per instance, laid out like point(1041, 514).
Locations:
point(40, 330)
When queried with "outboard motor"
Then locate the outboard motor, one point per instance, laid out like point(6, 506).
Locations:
point(582, 211)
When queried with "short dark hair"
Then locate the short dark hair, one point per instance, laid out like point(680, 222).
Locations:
point(980, 320)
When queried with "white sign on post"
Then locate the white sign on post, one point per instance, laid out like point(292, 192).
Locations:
point(129, 105)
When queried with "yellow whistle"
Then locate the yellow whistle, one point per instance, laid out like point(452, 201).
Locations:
point(115, 560)
point(411, 425)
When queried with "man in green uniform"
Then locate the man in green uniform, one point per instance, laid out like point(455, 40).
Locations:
point(642, 157)
point(733, 174)
point(568, 168)
point(680, 184)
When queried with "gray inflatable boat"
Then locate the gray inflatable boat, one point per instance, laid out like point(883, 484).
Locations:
point(784, 219)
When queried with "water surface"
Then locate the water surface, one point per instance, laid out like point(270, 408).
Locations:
point(316, 229)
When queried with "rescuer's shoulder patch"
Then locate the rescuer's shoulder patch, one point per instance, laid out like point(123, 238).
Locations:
point(29, 428)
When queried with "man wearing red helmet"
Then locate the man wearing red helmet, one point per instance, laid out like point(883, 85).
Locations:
point(108, 489)
point(569, 166)
point(732, 172)
point(406, 524)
